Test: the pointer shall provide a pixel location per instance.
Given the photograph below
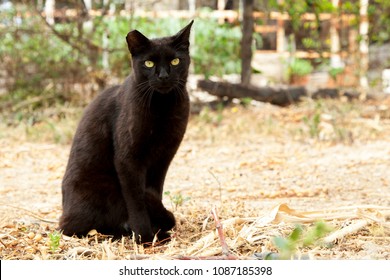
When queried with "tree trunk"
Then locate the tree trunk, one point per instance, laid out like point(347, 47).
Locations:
point(88, 4)
point(364, 46)
point(49, 11)
point(276, 96)
point(246, 42)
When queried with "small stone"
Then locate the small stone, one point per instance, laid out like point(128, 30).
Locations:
point(31, 235)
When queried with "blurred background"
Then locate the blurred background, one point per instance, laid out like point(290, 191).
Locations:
point(56, 55)
point(290, 104)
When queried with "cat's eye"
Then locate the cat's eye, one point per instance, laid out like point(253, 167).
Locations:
point(149, 63)
point(175, 61)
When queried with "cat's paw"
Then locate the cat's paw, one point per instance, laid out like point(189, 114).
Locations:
point(164, 221)
point(164, 236)
point(145, 238)
point(140, 233)
point(161, 219)
point(141, 238)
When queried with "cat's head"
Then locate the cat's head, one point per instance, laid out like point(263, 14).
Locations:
point(160, 63)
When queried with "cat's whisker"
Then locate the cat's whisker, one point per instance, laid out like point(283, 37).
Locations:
point(142, 86)
point(179, 93)
point(142, 99)
point(145, 95)
point(181, 89)
point(149, 97)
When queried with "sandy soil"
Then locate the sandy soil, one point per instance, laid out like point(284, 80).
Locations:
point(243, 161)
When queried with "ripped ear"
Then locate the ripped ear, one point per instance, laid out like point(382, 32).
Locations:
point(181, 41)
point(136, 42)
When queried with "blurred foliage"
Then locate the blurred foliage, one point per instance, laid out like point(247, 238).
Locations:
point(29, 55)
point(378, 13)
point(299, 239)
point(217, 48)
point(379, 17)
point(296, 8)
point(51, 64)
point(299, 67)
point(44, 65)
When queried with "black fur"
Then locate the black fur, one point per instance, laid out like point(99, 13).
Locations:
point(125, 143)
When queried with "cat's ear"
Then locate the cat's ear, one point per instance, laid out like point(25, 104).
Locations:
point(136, 42)
point(181, 41)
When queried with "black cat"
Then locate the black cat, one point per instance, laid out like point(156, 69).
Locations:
point(125, 143)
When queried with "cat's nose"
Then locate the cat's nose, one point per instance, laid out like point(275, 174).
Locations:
point(163, 75)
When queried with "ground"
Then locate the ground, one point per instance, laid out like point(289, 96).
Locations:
point(264, 169)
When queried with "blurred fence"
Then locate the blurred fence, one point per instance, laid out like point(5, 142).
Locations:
point(337, 40)
point(81, 53)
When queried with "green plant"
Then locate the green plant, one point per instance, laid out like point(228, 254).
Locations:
point(212, 116)
point(315, 233)
point(313, 120)
point(246, 101)
point(310, 43)
point(220, 108)
point(52, 65)
point(335, 71)
point(217, 48)
point(313, 123)
point(54, 240)
point(379, 21)
point(176, 199)
point(299, 67)
point(299, 238)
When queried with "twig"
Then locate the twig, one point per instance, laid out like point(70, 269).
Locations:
point(63, 37)
point(5, 246)
point(353, 228)
point(228, 257)
point(32, 214)
point(219, 184)
point(218, 225)
point(180, 257)
point(81, 42)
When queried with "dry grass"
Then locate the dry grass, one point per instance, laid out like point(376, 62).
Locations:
point(265, 169)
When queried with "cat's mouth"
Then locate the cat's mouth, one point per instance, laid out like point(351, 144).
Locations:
point(163, 88)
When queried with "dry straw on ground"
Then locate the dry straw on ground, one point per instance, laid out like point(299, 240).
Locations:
point(234, 238)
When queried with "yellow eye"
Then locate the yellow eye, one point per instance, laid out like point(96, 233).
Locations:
point(149, 63)
point(175, 61)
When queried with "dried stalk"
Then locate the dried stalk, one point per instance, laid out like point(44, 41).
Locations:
point(218, 225)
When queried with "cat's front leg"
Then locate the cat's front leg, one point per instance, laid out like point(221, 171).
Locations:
point(155, 177)
point(132, 181)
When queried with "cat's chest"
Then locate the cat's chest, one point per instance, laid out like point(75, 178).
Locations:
point(159, 128)
point(155, 139)
point(154, 130)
